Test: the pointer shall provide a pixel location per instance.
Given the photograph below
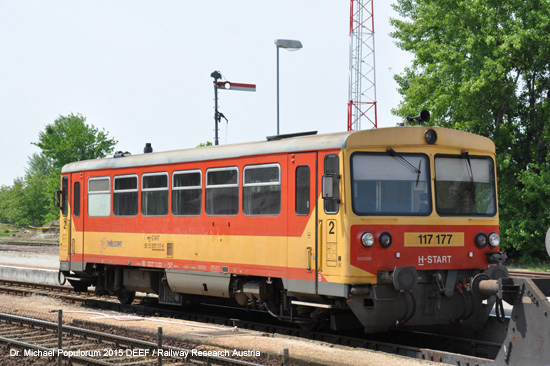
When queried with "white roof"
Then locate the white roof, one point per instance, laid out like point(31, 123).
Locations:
point(381, 138)
point(302, 143)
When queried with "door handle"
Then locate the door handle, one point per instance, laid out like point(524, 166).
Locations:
point(308, 259)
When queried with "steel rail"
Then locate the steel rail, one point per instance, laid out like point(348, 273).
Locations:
point(386, 343)
point(529, 274)
point(122, 343)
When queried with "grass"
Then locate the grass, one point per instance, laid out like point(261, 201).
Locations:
point(533, 264)
point(5, 230)
point(12, 233)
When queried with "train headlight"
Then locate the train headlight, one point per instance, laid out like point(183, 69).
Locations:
point(367, 239)
point(494, 240)
point(481, 240)
point(385, 240)
point(430, 136)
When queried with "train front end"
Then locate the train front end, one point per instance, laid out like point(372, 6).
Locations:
point(422, 214)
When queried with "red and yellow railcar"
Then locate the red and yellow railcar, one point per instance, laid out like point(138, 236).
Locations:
point(371, 228)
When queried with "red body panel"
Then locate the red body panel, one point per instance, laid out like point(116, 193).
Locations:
point(377, 258)
point(203, 224)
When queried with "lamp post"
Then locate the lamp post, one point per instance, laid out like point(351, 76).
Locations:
point(291, 45)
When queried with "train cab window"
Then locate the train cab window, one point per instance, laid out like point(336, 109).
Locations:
point(99, 197)
point(465, 185)
point(390, 184)
point(262, 190)
point(222, 191)
point(303, 176)
point(76, 199)
point(65, 196)
point(125, 195)
point(187, 193)
point(154, 194)
point(332, 170)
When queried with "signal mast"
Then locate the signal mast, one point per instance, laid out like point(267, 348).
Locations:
point(362, 77)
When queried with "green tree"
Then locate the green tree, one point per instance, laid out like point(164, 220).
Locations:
point(66, 140)
point(27, 201)
point(39, 163)
point(484, 66)
point(30, 200)
point(36, 200)
point(71, 139)
point(9, 202)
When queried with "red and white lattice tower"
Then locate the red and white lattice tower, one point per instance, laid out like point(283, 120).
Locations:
point(362, 78)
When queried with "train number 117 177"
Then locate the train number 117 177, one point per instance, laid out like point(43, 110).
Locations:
point(435, 239)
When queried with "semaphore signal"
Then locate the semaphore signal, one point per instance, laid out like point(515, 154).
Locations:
point(225, 85)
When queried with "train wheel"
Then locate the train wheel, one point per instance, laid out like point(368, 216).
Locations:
point(314, 315)
point(126, 296)
point(79, 286)
point(309, 325)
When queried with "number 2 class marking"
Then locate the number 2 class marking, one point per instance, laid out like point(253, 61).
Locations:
point(331, 227)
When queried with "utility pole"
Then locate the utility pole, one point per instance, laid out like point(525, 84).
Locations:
point(362, 76)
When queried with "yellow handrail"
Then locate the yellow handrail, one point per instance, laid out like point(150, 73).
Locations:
point(319, 246)
point(43, 228)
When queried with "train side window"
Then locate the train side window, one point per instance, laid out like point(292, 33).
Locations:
point(222, 191)
point(125, 195)
point(262, 190)
point(65, 196)
point(99, 196)
point(332, 172)
point(154, 194)
point(303, 176)
point(76, 199)
point(187, 193)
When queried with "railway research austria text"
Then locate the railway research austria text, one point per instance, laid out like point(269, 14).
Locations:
point(137, 352)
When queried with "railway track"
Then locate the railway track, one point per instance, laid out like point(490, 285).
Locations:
point(405, 343)
point(31, 243)
point(30, 338)
point(529, 274)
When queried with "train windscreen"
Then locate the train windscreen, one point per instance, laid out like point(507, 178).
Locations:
point(390, 184)
point(465, 185)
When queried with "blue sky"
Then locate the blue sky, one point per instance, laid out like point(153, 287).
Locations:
point(141, 70)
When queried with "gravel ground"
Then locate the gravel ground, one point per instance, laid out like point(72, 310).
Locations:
point(29, 256)
point(197, 336)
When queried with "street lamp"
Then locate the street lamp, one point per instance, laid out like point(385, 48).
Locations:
point(291, 45)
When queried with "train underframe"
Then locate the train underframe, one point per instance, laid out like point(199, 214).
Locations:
point(402, 297)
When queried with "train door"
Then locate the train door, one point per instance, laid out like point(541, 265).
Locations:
point(77, 227)
point(65, 224)
point(302, 218)
point(331, 207)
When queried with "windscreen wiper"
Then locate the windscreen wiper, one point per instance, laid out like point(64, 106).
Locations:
point(399, 157)
point(466, 155)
